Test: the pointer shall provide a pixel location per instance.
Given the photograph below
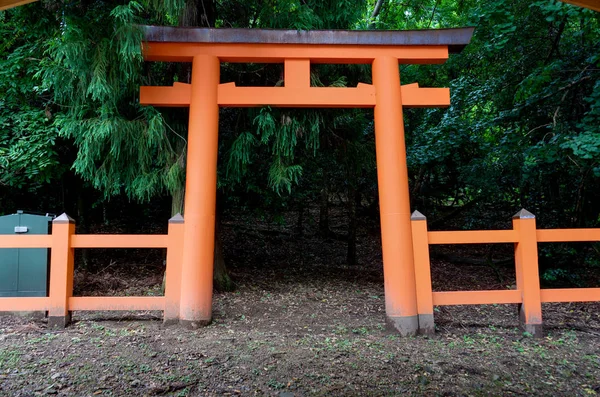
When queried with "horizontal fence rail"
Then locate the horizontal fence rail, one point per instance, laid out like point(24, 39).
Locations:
point(60, 300)
point(473, 237)
point(26, 241)
point(450, 298)
point(567, 235)
point(527, 293)
point(24, 304)
point(117, 303)
point(119, 241)
point(570, 295)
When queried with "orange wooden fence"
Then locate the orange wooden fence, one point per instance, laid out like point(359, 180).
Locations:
point(528, 293)
point(524, 235)
point(60, 301)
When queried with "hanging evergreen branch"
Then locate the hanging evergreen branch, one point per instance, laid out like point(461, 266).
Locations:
point(94, 69)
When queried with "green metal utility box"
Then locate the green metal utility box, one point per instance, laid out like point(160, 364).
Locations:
point(24, 271)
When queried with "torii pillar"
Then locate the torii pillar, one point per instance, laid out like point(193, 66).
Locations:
point(394, 199)
point(206, 48)
point(200, 194)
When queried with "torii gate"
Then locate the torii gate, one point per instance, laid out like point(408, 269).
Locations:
point(207, 48)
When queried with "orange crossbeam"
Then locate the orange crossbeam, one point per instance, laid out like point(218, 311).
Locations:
point(591, 4)
point(473, 237)
point(476, 297)
point(119, 241)
point(179, 95)
point(277, 53)
point(414, 96)
point(26, 241)
point(360, 97)
point(6, 4)
point(117, 303)
point(24, 304)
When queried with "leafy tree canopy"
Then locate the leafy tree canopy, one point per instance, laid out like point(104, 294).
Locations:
point(522, 129)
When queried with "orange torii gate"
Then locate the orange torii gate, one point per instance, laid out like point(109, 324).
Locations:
point(297, 50)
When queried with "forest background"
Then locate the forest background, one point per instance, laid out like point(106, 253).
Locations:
point(522, 130)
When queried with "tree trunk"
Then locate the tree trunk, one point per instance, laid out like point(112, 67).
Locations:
point(177, 197)
point(300, 221)
point(353, 198)
point(198, 13)
point(221, 278)
point(202, 13)
point(82, 224)
point(375, 12)
point(324, 207)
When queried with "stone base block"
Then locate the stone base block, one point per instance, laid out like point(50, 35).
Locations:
point(59, 322)
point(405, 326)
point(167, 322)
point(426, 324)
point(535, 329)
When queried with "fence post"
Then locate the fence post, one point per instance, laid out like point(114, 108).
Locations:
point(422, 273)
point(61, 271)
point(528, 278)
point(173, 270)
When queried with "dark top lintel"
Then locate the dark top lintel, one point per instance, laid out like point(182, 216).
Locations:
point(456, 39)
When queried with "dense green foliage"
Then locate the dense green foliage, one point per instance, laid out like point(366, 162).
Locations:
point(522, 130)
point(521, 126)
point(28, 137)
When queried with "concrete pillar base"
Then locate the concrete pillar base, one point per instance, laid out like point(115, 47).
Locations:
point(426, 324)
point(59, 322)
point(167, 322)
point(194, 324)
point(405, 326)
point(537, 330)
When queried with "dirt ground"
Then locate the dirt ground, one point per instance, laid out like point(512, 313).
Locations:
point(301, 323)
